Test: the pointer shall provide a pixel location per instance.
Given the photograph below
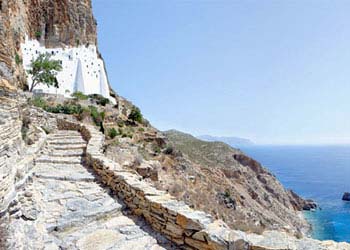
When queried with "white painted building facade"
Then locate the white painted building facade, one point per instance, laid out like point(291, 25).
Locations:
point(82, 70)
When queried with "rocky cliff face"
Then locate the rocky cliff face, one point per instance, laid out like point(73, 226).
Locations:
point(54, 23)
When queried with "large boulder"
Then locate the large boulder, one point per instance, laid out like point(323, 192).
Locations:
point(346, 196)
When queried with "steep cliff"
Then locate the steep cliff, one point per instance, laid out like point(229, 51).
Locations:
point(53, 23)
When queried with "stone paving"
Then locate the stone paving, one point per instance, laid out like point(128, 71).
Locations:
point(65, 207)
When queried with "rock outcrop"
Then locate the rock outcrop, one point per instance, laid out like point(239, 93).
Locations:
point(346, 196)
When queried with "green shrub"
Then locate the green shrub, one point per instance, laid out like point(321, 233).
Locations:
point(97, 117)
point(100, 100)
point(79, 95)
point(18, 59)
point(169, 150)
point(156, 149)
point(39, 102)
point(135, 115)
point(84, 113)
point(141, 130)
point(112, 132)
point(121, 124)
point(68, 109)
point(38, 34)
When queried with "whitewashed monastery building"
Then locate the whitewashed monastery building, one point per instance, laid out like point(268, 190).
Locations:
point(82, 69)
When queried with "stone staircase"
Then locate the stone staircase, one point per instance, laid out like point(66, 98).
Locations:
point(66, 207)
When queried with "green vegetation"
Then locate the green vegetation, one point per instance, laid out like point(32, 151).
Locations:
point(44, 71)
point(79, 95)
point(38, 34)
point(18, 59)
point(141, 130)
point(96, 116)
point(169, 150)
point(112, 132)
point(120, 123)
point(71, 109)
point(100, 100)
point(38, 102)
point(156, 149)
point(135, 115)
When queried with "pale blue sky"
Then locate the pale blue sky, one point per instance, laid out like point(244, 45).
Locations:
point(271, 71)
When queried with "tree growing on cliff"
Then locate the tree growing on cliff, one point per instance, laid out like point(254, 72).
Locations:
point(135, 115)
point(44, 70)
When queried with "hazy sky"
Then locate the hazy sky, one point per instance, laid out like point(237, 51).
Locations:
point(270, 71)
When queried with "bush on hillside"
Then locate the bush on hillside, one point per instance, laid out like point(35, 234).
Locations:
point(112, 132)
point(100, 100)
point(80, 95)
point(38, 102)
point(135, 115)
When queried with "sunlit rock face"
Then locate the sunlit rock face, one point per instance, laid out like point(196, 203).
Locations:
point(82, 70)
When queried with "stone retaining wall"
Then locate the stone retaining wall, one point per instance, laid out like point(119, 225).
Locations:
point(16, 160)
point(10, 148)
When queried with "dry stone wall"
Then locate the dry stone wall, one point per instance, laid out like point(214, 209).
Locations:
point(10, 147)
point(16, 160)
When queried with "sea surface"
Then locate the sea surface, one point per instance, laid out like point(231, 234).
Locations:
point(321, 173)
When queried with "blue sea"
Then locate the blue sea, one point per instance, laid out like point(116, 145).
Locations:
point(321, 173)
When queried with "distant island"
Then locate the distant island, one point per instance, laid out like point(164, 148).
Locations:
point(232, 141)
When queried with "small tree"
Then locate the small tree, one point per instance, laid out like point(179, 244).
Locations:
point(112, 132)
point(135, 115)
point(44, 70)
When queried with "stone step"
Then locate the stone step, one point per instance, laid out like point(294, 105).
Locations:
point(64, 137)
point(62, 153)
point(66, 132)
point(63, 172)
point(68, 146)
point(65, 142)
point(61, 160)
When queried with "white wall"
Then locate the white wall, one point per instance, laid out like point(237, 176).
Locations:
point(82, 70)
